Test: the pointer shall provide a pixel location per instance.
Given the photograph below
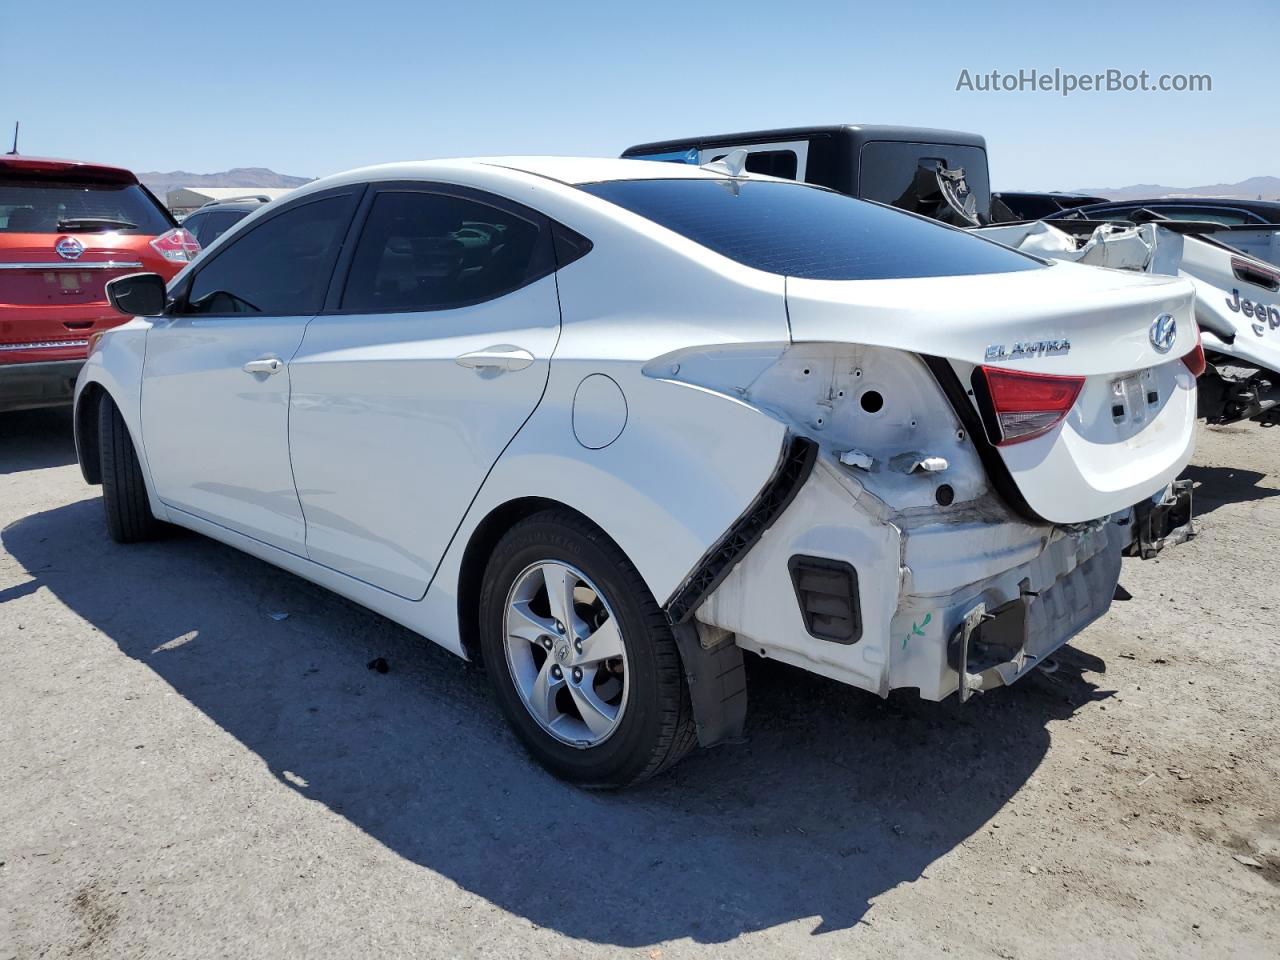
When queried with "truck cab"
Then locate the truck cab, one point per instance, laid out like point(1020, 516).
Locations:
point(940, 174)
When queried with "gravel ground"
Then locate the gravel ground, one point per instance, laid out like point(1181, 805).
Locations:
point(184, 774)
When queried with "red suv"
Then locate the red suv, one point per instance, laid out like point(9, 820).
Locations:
point(66, 228)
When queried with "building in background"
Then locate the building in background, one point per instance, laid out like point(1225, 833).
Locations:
point(183, 200)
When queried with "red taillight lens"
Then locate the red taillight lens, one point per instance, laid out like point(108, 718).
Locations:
point(178, 245)
point(1025, 405)
point(1195, 359)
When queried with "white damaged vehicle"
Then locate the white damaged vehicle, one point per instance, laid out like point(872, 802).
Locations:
point(606, 424)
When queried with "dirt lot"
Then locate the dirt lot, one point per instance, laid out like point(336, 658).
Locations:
point(182, 774)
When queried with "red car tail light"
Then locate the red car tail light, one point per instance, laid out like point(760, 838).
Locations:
point(177, 246)
point(1195, 360)
point(1026, 405)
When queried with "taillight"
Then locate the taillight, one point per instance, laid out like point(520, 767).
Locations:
point(178, 245)
point(1195, 359)
point(1026, 405)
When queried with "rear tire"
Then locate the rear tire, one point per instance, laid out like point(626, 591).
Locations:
point(637, 732)
point(124, 492)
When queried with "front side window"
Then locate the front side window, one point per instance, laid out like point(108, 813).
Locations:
point(804, 231)
point(433, 251)
point(279, 268)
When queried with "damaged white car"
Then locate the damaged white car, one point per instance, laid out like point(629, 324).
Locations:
point(606, 424)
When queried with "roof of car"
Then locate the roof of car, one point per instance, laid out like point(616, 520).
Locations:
point(571, 171)
point(576, 170)
point(54, 167)
point(233, 206)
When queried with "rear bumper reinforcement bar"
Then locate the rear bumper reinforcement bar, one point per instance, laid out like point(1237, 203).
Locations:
point(1163, 524)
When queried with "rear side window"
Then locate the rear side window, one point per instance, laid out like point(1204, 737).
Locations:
point(433, 251)
point(804, 231)
point(773, 163)
point(899, 174)
point(214, 224)
point(279, 268)
point(44, 206)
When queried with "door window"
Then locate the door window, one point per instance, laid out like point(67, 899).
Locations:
point(773, 163)
point(893, 172)
point(433, 251)
point(210, 226)
point(279, 268)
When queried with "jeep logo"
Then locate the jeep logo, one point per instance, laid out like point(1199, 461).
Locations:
point(1260, 313)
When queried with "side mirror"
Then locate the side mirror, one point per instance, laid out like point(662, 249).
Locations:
point(138, 295)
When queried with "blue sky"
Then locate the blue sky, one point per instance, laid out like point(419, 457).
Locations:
point(314, 88)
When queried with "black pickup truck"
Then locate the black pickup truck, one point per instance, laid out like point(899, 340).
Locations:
point(937, 173)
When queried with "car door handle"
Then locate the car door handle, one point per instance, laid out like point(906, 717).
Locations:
point(502, 357)
point(264, 365)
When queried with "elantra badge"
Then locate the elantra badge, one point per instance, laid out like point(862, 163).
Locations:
point(69, 248)
point(1025, 349)
point(1164, 330)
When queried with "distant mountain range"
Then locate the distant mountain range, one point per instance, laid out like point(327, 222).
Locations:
point(1268, 188)
point(162, 183)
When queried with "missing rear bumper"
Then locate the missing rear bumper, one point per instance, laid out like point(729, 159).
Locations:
point(995, 648)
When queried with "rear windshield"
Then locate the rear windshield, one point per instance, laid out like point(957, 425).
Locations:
point(51, 207)
point(804, 231)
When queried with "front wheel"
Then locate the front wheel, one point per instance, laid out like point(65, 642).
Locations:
point(124, 492)
point(582, 658)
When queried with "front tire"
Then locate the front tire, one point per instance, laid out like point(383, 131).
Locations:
point(581, 657)
point(124, 492)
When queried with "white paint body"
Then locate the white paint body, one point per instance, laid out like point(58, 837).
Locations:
point(665, 380)
point(1237, 317)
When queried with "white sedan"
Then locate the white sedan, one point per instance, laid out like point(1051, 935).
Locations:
point(606, 424)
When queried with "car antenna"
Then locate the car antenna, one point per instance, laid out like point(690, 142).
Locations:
point(14, 151)
point(732, 163)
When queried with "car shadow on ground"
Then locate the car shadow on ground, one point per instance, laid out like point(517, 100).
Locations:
point(1214, 487)
point(835, 797)
point(36, 439)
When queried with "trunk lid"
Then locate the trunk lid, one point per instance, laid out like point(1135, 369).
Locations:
point(1131, 428)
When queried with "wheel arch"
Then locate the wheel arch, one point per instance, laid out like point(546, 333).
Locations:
point(475, 558)
point(85, 429)
point(714, 674)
